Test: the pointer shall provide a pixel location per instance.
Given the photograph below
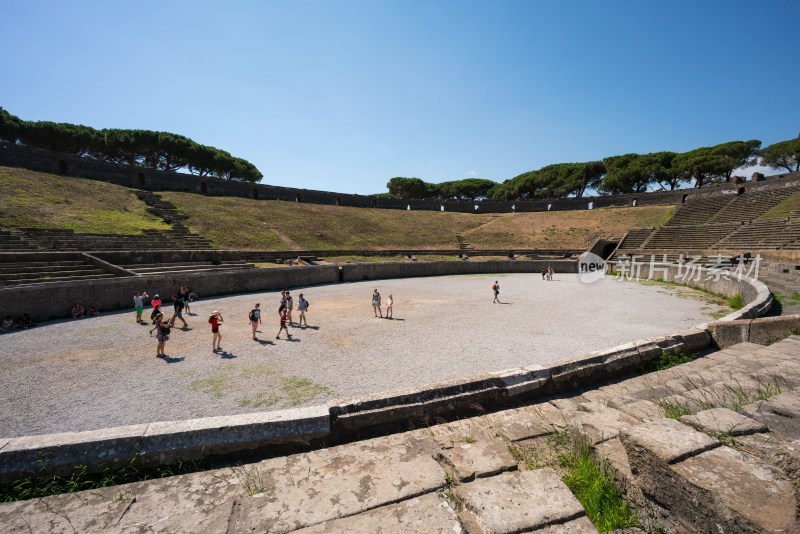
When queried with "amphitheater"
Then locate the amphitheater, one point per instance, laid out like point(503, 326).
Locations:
point(458, 415)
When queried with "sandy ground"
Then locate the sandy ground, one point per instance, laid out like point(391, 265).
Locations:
point(101, 372)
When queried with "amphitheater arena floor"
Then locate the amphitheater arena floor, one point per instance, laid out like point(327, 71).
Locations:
point(100, 372)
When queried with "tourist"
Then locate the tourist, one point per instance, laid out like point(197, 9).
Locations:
point(162, 334)
point(8, 323)
point(184, 295)
point(544, 274)
point(92, 312)
point(25, 321)
point(376, 303)
point(255, 318)
point(156, 304)
point(138, 303)
point(283, 326)
point(302, 307)
point(496, 289)
point(215, 319)
point(289, 308)
point(550, 273)
point(389, 304)
point(178, 311)
point(283, 302)
point(78, 311)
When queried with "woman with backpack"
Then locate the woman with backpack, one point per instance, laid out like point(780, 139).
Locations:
point(214, 320)
point(255, 319)
point(162, 334)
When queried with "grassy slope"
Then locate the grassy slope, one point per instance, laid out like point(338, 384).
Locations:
point(39, 200)
point(785, 208)
point(565, 229)
point(50, 201)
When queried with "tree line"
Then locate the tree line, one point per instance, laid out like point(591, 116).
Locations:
point(144, 148)
point(629, 173)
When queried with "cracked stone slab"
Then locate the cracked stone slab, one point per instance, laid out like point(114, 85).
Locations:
point(746, 496)
point(666, 440)
point(643, 410)
point(718, 421)
point(306, 489)
point(601, 423)
point(425, 514)
point(480, 459)
point(519, 501)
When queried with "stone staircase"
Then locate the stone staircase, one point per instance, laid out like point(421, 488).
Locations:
point(725, 460)
point(463, 245)
point(15, 241)
point(34, 272)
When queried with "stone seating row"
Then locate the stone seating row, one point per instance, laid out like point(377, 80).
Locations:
point(188, 266)
point(752, 205)
point(34, 272)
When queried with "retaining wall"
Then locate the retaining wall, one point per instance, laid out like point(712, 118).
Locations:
point(144, 178)
point(170, 441)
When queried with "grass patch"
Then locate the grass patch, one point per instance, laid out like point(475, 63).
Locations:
point(215, 386)
point(301, 390)
point(47, 201)
point(673, 410)
point(261, 399)
point(696, 293)
point(667, 360)
point(80, 479)
point(736, 301)
point(732, 396)
point(592, 483)
point(784, 209)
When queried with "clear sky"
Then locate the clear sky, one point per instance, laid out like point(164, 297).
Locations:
point(344, 95)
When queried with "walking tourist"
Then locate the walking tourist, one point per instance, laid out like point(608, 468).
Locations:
point(550, 272)
point(162, 334)
point(289, 308)
point(178, 311)
point(138, 303)
point(376, 303)
point(255, 318)
point(302, 307)
point(283, 326)
point(496, 289)
point(215, 319)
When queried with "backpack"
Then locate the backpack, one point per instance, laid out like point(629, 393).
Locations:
point(253, 315)
point(209, 319)
point(165, 330)
point(494, 287)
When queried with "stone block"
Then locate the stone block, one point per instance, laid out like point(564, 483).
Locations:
point(780, 413)
point(663, 441)
point(425, 514)
point(739, 495)
point(768, 330)
point(481, 458)
point(728, 333)
point(582, 525)
point(311, 488)
point(600, 423)
point(519, 501)
point(717, 421)
point(643, 410)
point(694, 339)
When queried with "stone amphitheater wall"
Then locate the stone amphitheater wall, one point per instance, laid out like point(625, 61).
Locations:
point(145, 178)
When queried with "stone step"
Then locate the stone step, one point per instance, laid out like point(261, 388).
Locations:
point(25, 281)
point(55, 273)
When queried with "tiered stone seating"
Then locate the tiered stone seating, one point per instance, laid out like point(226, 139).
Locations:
point(762, 234)
point(33, 272)
point(749, 206)
point(693, 237)
point(14, 241)
point(187, 266)
point(60, 239)
point(635, 238)
point(699, 210)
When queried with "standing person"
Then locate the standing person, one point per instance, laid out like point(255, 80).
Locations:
point(255, 318)
point(302, 307)
point(162, 334)
point(550, 272)
point(178, 307)
point(283, 303)
point(376, 303)
point(289, 308)
point(496, 289)
point(215, 319)
point(544, 274)
point(283, 326)
point(156, 304)
point(138, 302)
point(389, 304)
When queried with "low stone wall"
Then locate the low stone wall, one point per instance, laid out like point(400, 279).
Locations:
point(168, 442)
point(354, 272)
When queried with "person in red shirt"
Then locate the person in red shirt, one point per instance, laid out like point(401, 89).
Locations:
point(215, 319)
point(283, 326)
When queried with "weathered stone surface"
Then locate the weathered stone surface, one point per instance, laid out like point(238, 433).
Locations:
point(718, 421)
point(642, 410)
point(780, 414)
point(519, 501)
point(481, 458)
point(306, 489)
point(600, 422)
point(664, 440)
point(745, 496)
point(425, 514)
point(728, 333)
point(769, 329)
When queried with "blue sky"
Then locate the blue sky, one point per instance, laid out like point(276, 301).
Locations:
point(344, 95)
